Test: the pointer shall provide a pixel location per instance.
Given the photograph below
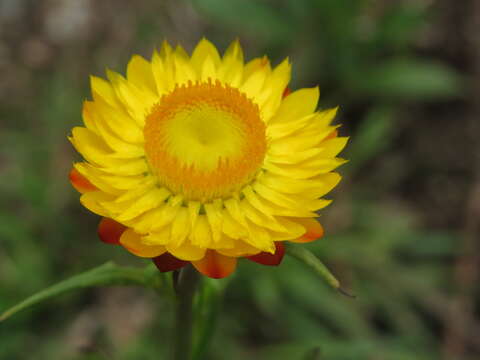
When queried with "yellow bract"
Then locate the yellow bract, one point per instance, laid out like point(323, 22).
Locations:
point(203, 152)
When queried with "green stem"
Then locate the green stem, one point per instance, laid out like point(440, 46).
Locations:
point(207, 311)
point(186, 285)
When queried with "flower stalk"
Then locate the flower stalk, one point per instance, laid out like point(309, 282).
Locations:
point(186, 285)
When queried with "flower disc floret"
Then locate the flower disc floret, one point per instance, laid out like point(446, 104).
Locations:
point(205, 140)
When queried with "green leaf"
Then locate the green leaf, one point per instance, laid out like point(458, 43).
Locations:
point(411, 79)
point(106, 274)
point(308, 258)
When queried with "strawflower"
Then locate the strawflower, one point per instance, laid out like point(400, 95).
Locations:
point(205, 159)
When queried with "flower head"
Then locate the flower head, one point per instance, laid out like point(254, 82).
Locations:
point(205, 159)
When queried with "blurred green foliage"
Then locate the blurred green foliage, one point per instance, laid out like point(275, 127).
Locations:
point(364, 56)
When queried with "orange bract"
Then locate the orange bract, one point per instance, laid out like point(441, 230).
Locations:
point(314, 230)
point(80, 183)
point(215, 265)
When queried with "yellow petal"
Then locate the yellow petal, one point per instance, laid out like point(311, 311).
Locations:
point(261, 219)
point(231, 227)
point(201, 234)
point(117, 182)
point(204, 50)
point(92, 147)
point(166, 50)
point(274, 196)
point(260, 238)
point(254, 200)
point(126, 198)
point(128, 167)
point(290, 145)
point(116, 207)
point(186, 251)
point(102, 89)
point(289, 201)
point(225, 242)
point(316, 204)
point(267, 207)
point(158, 237)
point(321, 166)
point(324, 164)
point(117, 120)
point(230, 70)
point(132, 241)
point(297, 105)
point(163, 77)
point(208, 70)
point(293, 230)
point(280, 130)
point(146, 185)
point(254, 84)
point(91, 200)
point(88, 116)
point(138, 102)
point(233, 52)
point(315, 187)
point(255, 65)
point(240, 249)
point(275, 84)
point(313, 230)
point(150, 200)
point(121, 148)
point(180, 227)
point(139, 72)
point(184, 72)
point(93, 176)
point(214, 217)
point(295, 157)
point(193, 211)
point(80, 182)
point(233, 208)
point(324, 118)
point(280, 78)
point(324, 183)
point(158, 218)
point(332, 147)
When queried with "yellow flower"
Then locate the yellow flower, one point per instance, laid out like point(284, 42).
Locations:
point(205, 159)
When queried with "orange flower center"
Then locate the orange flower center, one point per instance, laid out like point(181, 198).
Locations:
point(205, 140)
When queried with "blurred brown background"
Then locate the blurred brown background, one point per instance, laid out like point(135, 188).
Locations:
point(402, 233)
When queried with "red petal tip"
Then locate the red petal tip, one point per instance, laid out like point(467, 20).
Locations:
point(80, 182)
point(332, 135)
point(266, 258)
point(167, 262)
point(286, 92)
point(110, 231)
